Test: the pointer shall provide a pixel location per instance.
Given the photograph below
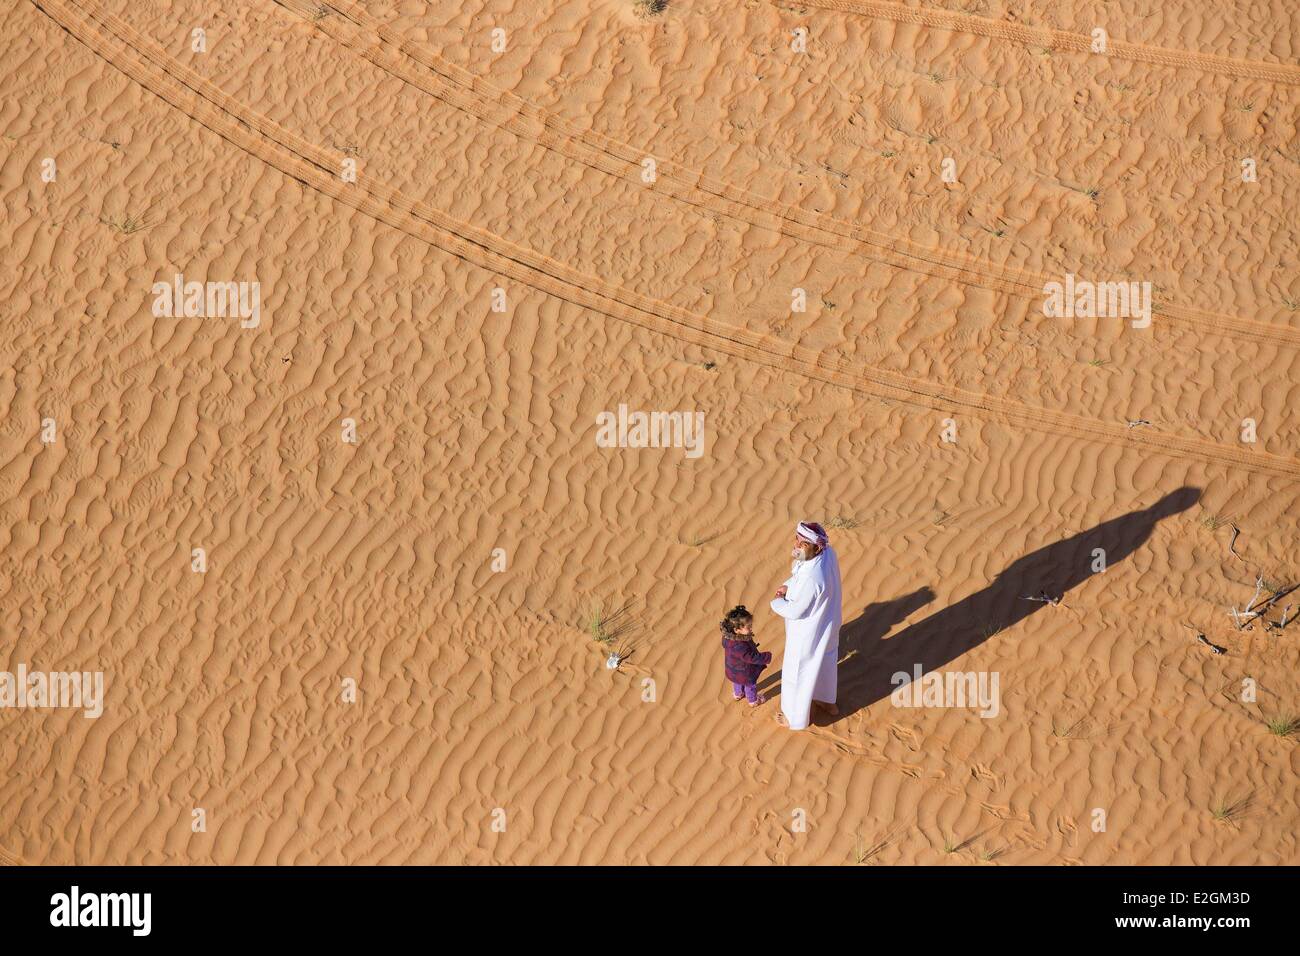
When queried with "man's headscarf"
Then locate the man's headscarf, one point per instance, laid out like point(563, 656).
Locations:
point(813, 533)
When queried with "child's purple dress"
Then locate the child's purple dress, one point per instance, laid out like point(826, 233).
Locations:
point(744, 663)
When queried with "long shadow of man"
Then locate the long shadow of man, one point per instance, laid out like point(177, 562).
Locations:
point(868, 661)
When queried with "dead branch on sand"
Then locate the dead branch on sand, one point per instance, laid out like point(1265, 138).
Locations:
point(1202, 639)
point(1255, 608)
point(1043, 598)
point(1214, 647)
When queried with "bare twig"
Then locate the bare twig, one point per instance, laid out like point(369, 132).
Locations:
point(1255, 608)
point(1214, 647)
point(1259, 586)
point(1201, 638)
point(1043, 598)
point(1273, 598)
point(1244, 618)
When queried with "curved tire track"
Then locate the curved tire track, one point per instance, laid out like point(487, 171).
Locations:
point(1282, 73)
point(116, 41)
point(457, 87)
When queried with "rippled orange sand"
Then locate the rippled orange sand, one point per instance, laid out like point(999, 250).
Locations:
point(446, 563)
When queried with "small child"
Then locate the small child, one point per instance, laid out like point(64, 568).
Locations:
point(744, 662)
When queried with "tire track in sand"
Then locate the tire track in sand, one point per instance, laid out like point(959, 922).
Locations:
point(415, 64)
point(1282, 73)
point(116, 41)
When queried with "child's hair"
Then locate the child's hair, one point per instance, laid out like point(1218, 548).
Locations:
point(737, 616)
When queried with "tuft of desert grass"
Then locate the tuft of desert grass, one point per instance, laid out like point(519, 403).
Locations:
point(1283, 725)
point(1228, 811)
point(125, 224)
point(1070, 731)
point(606, 622)
point(864, 853)
point(1213, 522)
point(842, 523)
point(698, 540)
point(649, 8)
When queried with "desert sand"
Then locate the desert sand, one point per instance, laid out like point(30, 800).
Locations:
point(463, 251)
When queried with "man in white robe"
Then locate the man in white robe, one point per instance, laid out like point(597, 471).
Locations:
point(810, 603)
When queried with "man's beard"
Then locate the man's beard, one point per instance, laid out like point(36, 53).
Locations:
point(799, 558)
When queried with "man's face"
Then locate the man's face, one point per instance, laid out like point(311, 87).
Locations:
point(806, 548)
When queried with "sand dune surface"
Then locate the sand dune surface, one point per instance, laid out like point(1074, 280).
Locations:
point(338, 556)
